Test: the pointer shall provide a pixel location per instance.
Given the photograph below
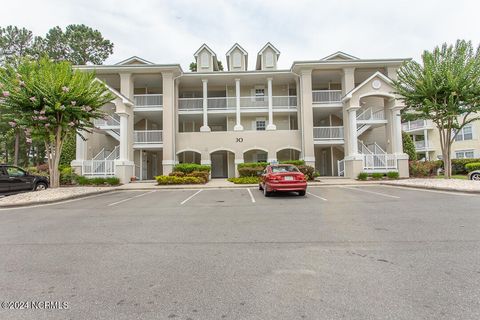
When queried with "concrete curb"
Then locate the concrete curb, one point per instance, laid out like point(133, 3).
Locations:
point(429, 188)
point(72, 197)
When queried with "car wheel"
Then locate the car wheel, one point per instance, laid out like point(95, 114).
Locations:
point(265, 192)
point(475, 176)
point(302, 193)
point(260, 186)
point(40, 186)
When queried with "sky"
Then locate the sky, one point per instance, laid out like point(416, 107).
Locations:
point(171, 31)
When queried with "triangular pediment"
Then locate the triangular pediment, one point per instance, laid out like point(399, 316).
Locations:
point(339, 56)
point(133, 60)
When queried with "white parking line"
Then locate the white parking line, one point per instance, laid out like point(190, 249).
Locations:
point(372, 192)
point(137, 196)
point(454, 193)
point(251, 195)
point(193, 195)
point(314, 195)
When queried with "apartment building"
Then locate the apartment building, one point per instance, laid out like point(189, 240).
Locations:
point(337, 113)
point(427, 140)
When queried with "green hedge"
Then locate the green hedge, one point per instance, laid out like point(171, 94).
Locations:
point(253, 165)
point(250, 172)
point(84, 181)
point(294, 162)
point(377, 175)
point(244, 180)
point(178, 180)
point(472, 166)
point(68, 176)
point(362, 176)
point(393, 175)
point(308, 171)
point(190, 167)
point(204, 175)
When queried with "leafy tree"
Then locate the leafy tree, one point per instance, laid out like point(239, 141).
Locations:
point(51, 100)
point(68, 151)
point(193, 67)
point(15, 42)
point(409, 146)
point(79, 44)
point(220, 66)
point(444, 88)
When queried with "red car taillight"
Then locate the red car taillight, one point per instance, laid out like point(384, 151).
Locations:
point(274, 178)
point(300, 177)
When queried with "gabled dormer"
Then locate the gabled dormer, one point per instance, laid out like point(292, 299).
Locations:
point(206, 59)
point(133, 60)
point(237, 58)
point(267, 57)
point(339, 56)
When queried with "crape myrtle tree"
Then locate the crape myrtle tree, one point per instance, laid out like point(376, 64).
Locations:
point(51, 100)
point(444, 88)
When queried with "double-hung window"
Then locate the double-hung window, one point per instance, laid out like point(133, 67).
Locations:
point(462, 154)
point(465, 134)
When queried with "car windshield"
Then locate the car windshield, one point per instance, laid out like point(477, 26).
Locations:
point(276, 169)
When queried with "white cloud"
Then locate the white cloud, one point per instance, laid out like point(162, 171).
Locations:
point(171, 31)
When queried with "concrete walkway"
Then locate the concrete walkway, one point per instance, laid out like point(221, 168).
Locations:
point(223, 183)
point(439, 184)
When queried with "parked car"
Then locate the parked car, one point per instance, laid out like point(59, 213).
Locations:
point(474, 175)
point(282, 177)
point(14, 179)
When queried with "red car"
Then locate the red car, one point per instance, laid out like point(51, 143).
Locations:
point(282, 177)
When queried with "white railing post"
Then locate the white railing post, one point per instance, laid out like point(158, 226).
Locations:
point(238, 126)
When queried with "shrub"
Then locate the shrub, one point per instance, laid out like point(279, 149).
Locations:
point(409, 146)
point(308, 171)
point(177, 174)
point(294, 162)
point(362, 176)
point(204, 175)
point(244, 180)
point(97, 181)
point(249, 171)
point(472, 166)
point(393, 175)
point(67, 176)
point(163, 180)
point(377, 176)
point(459, 165)
point(423, 168)
point(35, 171)
point(261, 165)
point(190, 167)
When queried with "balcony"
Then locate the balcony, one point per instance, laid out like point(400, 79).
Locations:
point(327, 96)
point(328, 135)
point(147, 138)
point(148, 102)
point(279, 103)
point(417, 125)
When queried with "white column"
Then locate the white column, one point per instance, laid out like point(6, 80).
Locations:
point(352, 131)
point(238, 125)
point(123, 136)
point(270, 125)
point(397, 131)
point(205, 127)
point(80, 145)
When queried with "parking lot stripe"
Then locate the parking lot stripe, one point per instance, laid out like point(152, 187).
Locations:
point(137, 196)
point(193, 195)
point(314, 195)
point(455, 193)
point(372, 192)
point(251, 195)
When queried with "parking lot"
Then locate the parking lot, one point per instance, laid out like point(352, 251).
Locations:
point(340, 252)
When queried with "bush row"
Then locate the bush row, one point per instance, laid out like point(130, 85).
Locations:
point(377, 175)
point(244, 180)
point(84, 181)
point(178, 180)
point(472, 166)
point(190, 167)
point(253, 169)
point(204, 175)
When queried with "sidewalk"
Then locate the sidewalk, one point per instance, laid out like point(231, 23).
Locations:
point(224, 184)
point(438, 184)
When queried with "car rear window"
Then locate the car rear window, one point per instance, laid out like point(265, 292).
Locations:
point(276, 169)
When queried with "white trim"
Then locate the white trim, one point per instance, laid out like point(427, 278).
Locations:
point(204, 46)
point(133, 58)
point(340, 54)
point(236, 45)
point(349, 95)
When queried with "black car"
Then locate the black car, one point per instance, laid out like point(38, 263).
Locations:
point(14, 179)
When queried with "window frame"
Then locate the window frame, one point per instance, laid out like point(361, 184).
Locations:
point(461, 136)
point(464, 154)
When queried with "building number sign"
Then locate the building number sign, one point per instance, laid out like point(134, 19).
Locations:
point(239, 140)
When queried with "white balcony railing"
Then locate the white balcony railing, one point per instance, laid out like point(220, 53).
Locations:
point(328, 133)
point(420, 145)
point(147, 136)
point(230, 103)
point(416, 125)
point(379, 162)
point(110, 120)
point(369, 114)
point(98, 167)
point(148, 100)
point(326, 96)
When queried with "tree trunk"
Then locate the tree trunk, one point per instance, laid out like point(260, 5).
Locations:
point(16, 148)
point(54, 149)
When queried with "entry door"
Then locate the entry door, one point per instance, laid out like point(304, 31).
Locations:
point(219, 165)
point(154, 165)
point(145, 166)
point(324, 164)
